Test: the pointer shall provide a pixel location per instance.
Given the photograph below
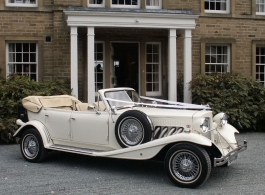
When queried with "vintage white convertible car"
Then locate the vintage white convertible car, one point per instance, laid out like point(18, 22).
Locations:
point(186, 137)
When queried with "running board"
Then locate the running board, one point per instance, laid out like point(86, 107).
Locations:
point(74, 149)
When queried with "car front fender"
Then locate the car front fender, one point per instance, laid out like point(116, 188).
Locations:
point(228, 133)
point(40, 127)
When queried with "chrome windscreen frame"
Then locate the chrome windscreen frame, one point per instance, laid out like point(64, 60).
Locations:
point(221, 161)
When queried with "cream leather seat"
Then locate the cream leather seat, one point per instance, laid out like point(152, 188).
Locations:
point(82, 106)
point(99, 106)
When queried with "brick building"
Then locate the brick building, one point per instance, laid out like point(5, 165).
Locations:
point(144, 44)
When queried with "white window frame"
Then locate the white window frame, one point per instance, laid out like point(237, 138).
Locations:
point(21, 3)
point(215, 64)
point(259, 4)
point(227, 11)
point(154, 7)
point(159, 92)
point(23, 63)
point(96, 5)
point(125, 6)
point(98, 62)
point(258, 73)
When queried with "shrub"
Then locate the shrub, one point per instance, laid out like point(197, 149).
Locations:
point(242, 99)
point(14, 89)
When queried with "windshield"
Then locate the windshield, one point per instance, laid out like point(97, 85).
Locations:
point(122, 98)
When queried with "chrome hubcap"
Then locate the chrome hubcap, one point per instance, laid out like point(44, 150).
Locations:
point(185, 166)
point(131, 132)
point(31, 146)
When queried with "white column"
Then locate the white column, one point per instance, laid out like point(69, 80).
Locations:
point(187, 65)
point(74, 62)
point(90, 65)
point(172, 65)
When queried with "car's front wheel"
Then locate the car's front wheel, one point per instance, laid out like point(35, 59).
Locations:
point(32, 146)
point(187, 165)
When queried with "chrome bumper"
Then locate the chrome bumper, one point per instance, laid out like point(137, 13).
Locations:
point(231, 155)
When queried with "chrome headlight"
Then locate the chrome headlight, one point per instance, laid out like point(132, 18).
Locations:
point(205, 125)
point(220, 119)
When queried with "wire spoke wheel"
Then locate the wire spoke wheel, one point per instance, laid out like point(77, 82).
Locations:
point(31, 146)
point(131, 131)
point(133, 128)
point(185, 166)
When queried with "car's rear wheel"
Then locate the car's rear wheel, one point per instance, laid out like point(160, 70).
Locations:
point(32, 146)
point(187, 165)
point(132, 128)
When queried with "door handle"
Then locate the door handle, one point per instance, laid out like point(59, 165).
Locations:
point(73, 118)
point(46, 115)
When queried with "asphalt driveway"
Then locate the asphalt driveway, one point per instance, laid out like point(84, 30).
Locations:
point(64, 173)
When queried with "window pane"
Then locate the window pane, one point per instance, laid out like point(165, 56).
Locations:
point(156, 58)
point(155, 87)
point(149, 58)
point(32, 47)
point(148, 67)
point(216, 59)
point(99, 56)
point(153, 68)
point(156, 78)
point(99, 65)
point(148, 77)
point(33, 68)
point(26, 68)
point(33, 57)
point(149, 48)
point(23, 58)
point(25, 47)
point(149, 87)
point(216, 5)
point(156, 68)
point(18, 47)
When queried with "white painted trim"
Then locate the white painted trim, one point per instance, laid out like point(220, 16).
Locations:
point(260, 13)
point(90, 65)
point(172, 65)
point(130, 19)
point(74, 61)
point(187, 65)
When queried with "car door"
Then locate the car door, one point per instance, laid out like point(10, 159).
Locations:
point(57, 122)
point(90, 127)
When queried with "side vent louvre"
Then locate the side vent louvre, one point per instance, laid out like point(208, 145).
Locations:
point(161, 132)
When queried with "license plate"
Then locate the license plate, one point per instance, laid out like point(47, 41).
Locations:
point(231, 160)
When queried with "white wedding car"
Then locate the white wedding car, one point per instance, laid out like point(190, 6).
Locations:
point(121, 124)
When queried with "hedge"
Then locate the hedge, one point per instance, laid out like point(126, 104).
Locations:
point(242, 99)
point(13, 90)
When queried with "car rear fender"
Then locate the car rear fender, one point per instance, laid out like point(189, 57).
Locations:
point(40, 127)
